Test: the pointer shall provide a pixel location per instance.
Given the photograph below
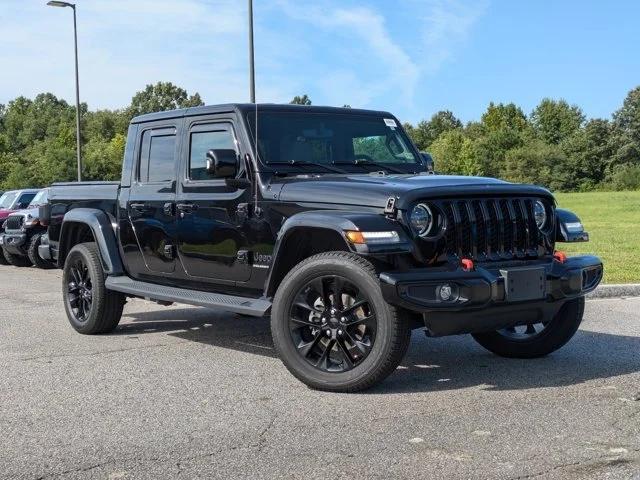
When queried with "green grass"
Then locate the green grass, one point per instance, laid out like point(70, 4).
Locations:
point(613, 222)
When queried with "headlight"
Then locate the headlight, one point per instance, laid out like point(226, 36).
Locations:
point(540, 214)
point(421, 219)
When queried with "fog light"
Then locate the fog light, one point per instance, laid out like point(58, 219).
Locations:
point(447, 292)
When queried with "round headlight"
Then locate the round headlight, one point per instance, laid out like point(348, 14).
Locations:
point(540, 214)
point(421, 219)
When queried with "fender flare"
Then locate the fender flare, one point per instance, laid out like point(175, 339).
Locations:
point(103, 232)
point(338, 222)
point(569, 227)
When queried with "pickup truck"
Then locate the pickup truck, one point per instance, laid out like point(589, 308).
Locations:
point(331, 221)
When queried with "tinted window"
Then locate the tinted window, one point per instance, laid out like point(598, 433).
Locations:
point(157, 157)
point(25, 199)
point(382, 149)
point(201, 143)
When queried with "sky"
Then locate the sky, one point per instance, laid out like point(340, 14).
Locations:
point(410, 57)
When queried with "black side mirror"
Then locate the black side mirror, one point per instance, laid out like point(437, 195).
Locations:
point(427, 159)
point(222, 163)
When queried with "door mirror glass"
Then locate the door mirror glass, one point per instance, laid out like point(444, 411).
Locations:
point(222, 163)
point(427, 159)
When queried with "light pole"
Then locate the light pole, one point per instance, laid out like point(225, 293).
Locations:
point(54, 3)
point(252, 71)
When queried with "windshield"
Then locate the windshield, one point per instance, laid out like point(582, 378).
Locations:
point(7, 199)
point(41, 198)
point(333, 139)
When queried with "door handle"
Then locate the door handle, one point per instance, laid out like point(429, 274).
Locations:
point(186, 207)
point(140, 207)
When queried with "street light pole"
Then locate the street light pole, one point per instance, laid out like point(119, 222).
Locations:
point(75, 42)
point(252, 71)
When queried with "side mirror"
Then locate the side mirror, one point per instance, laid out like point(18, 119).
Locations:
point(222, 163)
point(22, 205)
point(427, 159)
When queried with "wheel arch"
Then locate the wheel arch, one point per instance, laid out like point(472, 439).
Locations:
point(309, 233)
point(85, 225)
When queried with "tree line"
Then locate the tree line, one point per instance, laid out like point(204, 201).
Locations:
point(555, 145)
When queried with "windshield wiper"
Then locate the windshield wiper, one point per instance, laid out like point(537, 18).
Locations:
point(372, 164)
point(309, 164)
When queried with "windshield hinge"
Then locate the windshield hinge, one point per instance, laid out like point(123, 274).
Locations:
point(390, 209)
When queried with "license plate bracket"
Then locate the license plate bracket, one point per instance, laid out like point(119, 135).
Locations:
point(527, 283)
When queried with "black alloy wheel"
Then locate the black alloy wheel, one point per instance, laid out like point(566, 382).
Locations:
point(80, 290)
point(332, 324)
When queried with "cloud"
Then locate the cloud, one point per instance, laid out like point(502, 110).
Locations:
point(447, 24)
point(362, 26)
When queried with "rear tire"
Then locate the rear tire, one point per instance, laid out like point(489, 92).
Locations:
point(90, 307)
point(331, 326)
point(16, 260)
point(34, 255)
point(554, 335)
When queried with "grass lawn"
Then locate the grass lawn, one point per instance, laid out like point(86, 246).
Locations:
point(613, 222)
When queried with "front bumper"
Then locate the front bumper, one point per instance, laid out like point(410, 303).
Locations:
point(488, 298)
point(14, 242)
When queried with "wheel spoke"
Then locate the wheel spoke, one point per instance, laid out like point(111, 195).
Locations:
point(354, 307)
point(361, 346)
point(305, 306)
point(323, 361)
point(73, 300)
point(338, 287)
point(305, 347)
point(361, 321)
point(304, 322)
point(346, 355)
point(531, 329)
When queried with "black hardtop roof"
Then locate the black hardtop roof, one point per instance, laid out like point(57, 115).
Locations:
point(250, 107)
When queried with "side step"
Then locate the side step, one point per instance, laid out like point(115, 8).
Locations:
point(247, 306)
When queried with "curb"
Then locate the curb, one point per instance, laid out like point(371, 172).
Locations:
point(613, 291)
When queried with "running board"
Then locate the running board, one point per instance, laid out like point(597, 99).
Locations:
point(255, 307)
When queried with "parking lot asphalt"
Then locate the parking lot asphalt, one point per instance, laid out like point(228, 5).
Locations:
point(191, 393)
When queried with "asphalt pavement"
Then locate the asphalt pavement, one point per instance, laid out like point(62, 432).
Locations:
point(182, 392)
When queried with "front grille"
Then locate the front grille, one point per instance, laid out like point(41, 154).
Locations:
point(14, 222)
point(493, 229)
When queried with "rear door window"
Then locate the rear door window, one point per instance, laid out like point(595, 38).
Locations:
point(157, 156)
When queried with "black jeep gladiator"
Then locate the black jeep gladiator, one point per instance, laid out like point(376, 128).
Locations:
point(330, 220)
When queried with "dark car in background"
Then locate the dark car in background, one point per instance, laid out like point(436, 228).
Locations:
point(10, 202)
point(23, 231)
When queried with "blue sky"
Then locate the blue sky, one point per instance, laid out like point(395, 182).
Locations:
point(412, 57)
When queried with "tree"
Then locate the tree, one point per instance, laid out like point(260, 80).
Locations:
point(589, 152)
point(538, 163)
point(160, 97)
point(555, 121)
point(301, 100)
point(425, 133)
point(627, 119)
point(455, 153)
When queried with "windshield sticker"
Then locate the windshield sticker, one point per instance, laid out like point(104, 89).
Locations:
point(390, 122)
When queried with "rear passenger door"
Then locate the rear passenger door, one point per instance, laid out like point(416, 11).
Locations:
point(151, 203)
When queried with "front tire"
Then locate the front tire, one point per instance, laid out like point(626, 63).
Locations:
point(33, 254)
point(533, 341)
point(332, 328)
point(16, 260)
point(3, 260)
point(90, 307)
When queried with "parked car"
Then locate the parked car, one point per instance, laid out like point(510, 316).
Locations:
point(10, 202)
point(23, 233)
point(330, 220)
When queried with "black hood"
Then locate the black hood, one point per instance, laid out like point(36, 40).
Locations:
point(374, 190)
